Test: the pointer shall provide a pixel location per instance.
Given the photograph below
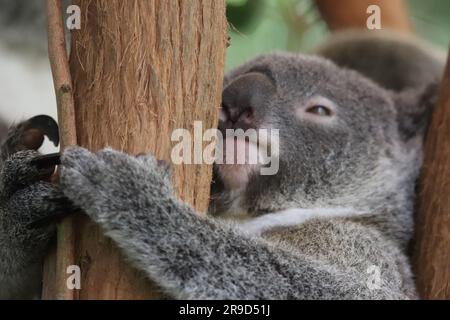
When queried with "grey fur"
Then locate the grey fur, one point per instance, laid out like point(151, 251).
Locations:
point(25, 198)
point(369, 160)
point(195, 257)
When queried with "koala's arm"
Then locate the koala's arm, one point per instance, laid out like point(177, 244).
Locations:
point(25, 199)
point(188, 255)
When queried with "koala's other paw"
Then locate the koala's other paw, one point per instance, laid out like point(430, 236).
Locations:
point(111, 182)
point(21, 170)
point(29, 204)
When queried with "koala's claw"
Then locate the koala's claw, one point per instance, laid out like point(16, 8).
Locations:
point(29, 135)
point(46, 126)
point(46, 160)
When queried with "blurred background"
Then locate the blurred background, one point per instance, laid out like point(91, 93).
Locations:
point(256, 26)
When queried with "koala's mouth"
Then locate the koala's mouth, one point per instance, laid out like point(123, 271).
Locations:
point(240, 159)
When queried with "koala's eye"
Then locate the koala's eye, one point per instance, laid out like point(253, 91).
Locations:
point(317, 109)
point(320, 111)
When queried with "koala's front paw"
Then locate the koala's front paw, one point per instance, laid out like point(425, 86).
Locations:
point(109, 183)
point(26, 199)
point(20, 170)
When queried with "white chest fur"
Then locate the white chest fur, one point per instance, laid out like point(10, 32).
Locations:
point(293, 217)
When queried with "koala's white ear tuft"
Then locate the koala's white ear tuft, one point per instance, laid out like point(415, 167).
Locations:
point(414, 109)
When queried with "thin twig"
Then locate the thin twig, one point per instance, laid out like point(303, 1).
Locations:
point(56, 264)
point(62, 79)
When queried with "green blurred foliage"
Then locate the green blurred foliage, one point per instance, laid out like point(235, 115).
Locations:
point(431, 19)
point(259, 26)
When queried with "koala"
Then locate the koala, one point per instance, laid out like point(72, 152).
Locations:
point(26, 197)
point(334, 222)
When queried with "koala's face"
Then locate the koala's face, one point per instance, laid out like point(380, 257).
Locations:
point(336, 129)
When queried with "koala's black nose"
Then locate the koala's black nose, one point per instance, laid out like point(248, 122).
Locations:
point(243, 101)
point(237, 116)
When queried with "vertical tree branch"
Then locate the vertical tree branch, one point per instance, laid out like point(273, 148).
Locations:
point(64, 256)
point(433, 222)
point(62, 79)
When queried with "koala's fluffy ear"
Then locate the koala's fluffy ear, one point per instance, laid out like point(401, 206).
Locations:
point(414, 109)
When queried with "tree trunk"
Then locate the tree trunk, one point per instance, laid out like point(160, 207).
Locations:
point(433, 222)
point(345, 14)
point(140, 70)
